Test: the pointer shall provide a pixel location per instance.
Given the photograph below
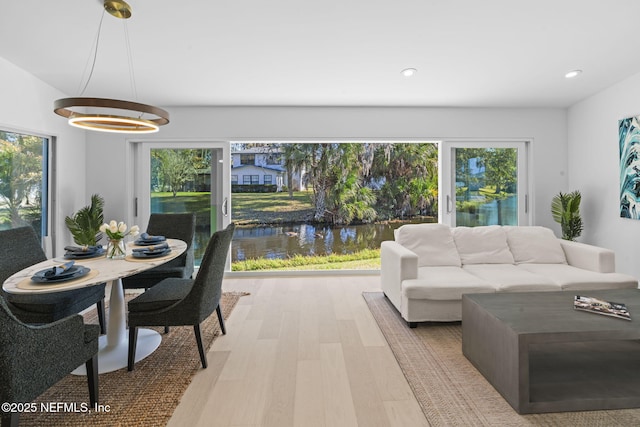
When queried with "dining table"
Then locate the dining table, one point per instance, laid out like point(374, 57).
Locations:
point(113, 349)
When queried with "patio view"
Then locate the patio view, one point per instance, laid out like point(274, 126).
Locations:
point(302, 205)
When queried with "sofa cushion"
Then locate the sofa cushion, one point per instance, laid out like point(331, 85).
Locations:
point(536, 245)
point(572, 278)
point(444, 283)
point(482, 245)
point(433, 243)
point(510, 278)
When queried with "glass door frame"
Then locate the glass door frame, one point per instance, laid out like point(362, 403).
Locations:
point(142, 180)
point(447, 180)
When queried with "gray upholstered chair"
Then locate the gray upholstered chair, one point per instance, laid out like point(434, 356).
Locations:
point(33, 358)
point(174, 226)
point(19, 249)
point(182, 302)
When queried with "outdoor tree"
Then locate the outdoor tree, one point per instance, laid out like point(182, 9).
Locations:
point(501, 174)
point(20, 176)
point(468, 162)
point(335, 172)
point(348, 199)
point(175, 168)
point(407, 176)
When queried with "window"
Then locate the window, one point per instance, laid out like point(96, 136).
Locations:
point(250, 179)
point(234, 179)
point(247, 159)
point(178, 177)
point(24, 161)
point(274, 159)
point(484, 183)
point(354, 196)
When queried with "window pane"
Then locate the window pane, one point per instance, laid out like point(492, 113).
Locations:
point(486, 186)
point(23, 181)
point(332, 205)
point(181, 181)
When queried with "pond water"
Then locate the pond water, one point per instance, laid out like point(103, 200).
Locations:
point(284, 241)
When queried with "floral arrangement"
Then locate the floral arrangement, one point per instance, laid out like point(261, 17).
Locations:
point(116, 232)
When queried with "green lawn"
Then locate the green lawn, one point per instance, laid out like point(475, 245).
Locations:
point(364, 259)
point(271, 208)
point(246, 208)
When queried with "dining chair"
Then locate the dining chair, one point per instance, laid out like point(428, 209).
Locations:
point(35, 357)
point(180, 226)
point(184, 302)
point(20, 248)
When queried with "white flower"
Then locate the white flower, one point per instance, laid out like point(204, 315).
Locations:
point(118, 230)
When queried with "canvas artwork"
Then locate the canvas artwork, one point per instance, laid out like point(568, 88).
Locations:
point(629, 142)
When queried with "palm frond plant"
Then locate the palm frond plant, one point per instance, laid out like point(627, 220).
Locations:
point(565, 209)
point(85, 224)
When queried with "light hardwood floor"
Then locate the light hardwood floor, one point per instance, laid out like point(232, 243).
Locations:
point(300, 351)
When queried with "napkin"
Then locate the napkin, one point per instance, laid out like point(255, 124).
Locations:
point(56, 270)
point(82, 249)
point(152, 249)
point(149, 238)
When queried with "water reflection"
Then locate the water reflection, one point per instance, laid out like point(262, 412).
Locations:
point(284, 241)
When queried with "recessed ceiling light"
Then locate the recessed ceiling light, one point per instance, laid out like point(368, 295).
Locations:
point(573, 73)
point(408, 72)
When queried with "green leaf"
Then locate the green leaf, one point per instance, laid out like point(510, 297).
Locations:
point(565, 210)
point(85, 224)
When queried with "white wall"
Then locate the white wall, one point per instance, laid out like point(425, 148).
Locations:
point(100, 164)
point(546, 127)
point(594, 169)
point(26, 105)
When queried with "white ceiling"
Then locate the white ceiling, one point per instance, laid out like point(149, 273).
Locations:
point(332, 52)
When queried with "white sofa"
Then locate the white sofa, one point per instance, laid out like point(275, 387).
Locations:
point(428, 267)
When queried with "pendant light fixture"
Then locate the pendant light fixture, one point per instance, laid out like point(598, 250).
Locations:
point(112, 115)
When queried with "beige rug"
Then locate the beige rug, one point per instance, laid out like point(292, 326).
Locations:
point(145, 397)
point(451, 391)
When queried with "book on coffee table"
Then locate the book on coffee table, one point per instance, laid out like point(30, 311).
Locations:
point(595, 305)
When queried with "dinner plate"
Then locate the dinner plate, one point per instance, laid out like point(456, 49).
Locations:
point(74, 272)
point(141, 242)
point(151, 255)
point(84, 255)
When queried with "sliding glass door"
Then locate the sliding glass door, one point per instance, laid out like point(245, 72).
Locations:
point(184, 177)
point(485, 184)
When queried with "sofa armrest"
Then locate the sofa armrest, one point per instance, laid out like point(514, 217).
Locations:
point(397, 264)
point(589, 257)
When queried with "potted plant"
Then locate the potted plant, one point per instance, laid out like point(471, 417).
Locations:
point(565, 209)
point(85, 224)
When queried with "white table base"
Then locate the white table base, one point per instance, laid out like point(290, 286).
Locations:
point(114, 346)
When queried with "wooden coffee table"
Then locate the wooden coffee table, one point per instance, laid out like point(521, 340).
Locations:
point(544, 356)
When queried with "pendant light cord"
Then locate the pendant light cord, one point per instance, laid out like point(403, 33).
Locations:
point(132, 79)
point(95, 55)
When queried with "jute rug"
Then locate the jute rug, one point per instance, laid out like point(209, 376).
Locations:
point(145, 397)
point(450, 391)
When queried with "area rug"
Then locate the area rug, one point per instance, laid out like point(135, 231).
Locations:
point(450, 391)
point(145, 397)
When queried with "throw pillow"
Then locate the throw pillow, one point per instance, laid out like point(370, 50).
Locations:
point(433, 243)
point(482, 245)
point(534, 245)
